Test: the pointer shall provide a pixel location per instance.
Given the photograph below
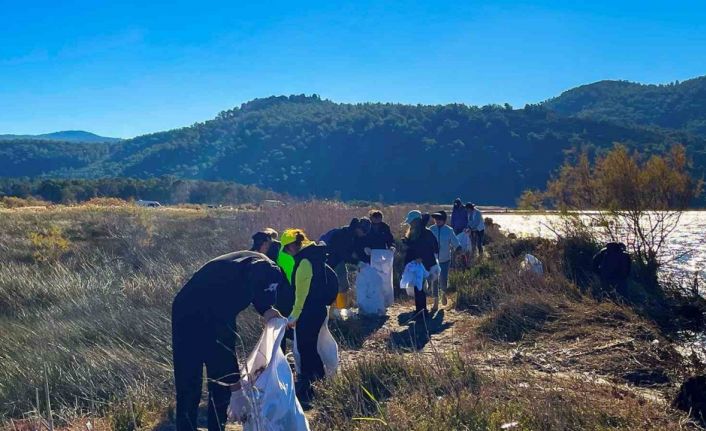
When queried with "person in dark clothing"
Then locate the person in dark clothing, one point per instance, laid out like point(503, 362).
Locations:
point(312, 297)
point(380, 236)
point(613, 265)
point(341, 248)
point(204, 330)
point(421, 245)
point(265, 242)
point(459, 217)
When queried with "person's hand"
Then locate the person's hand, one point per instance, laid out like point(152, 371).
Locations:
point(291, 322)
point(393, 249)
point(367, 251)
point(272, 314)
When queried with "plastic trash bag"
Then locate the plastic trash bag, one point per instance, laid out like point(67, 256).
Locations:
point(413, 277)
point(434, 273)
point(326, 346)
point(464, 241)
point(382, 261)
point(369, 291)
point(532, 264)
point(267, 400)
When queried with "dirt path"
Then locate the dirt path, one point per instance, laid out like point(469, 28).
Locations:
point(398, 331)
point(448, 330)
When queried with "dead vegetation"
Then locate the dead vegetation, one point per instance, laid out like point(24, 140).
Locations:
point(522, 351)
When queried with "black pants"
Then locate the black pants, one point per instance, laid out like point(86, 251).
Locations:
point(311, 366)
point(420, 299)
point(195, 343)
point(478, 236)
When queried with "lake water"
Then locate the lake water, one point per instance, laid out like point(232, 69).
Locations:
point(685, 250)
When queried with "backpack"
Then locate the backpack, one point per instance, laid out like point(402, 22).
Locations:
point(330, 286)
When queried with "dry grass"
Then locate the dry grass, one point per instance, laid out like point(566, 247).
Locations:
point(86, 291)
point(414, 393)
point(95, 318)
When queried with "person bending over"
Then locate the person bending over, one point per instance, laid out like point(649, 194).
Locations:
point(204, 316)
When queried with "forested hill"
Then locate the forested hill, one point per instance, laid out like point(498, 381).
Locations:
point(306, 146)
point(64, 136)
point(674, 106)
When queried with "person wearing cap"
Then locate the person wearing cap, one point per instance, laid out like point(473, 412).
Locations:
point(448, 243)
point(476, 228)
point(265, 242)
point(459, 217)
point(204, 316)
point(420, 245)
point(313, 295)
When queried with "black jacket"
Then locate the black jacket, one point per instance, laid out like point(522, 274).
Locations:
point(227, 285)
point(380, 236)
point(425, 247)
point(340, 247)
point(612, 263)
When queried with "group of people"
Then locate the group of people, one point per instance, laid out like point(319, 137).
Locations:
point(434, 247)
point(298, 279)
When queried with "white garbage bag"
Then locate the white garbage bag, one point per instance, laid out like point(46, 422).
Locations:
point(464, 241)
point(413, 277)
point(532, 264)
point(326, 346)
point(369, 291)
point(382, 261)
point(267, 400)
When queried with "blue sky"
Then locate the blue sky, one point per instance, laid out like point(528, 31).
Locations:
point(132, 67)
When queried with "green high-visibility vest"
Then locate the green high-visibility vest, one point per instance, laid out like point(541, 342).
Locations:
point(286, 262)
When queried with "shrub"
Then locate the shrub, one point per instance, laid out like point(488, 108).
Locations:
point(107, 202)
point(15, 202)
point(48, 245)
point(514, 319)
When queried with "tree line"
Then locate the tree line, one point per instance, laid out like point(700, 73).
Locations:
point(166, 189)
point(306, 146)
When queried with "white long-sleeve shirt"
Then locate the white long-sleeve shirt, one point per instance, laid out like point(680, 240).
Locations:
point(475, 220)
point(447, 241)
